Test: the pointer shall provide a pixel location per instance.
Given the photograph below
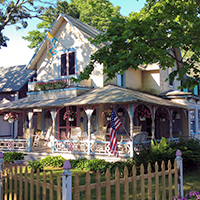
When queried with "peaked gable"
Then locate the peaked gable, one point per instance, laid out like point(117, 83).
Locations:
point(85, 31)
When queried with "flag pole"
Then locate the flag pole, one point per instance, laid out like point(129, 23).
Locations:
point(125, 130)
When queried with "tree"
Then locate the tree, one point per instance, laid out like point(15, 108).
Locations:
point(149, 36)
point(96, 13)
point(17, 12)
point(48, 17)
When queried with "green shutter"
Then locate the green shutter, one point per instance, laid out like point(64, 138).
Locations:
point(196, 90)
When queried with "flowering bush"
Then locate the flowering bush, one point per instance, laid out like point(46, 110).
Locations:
point(106, 113)
point(69, 114)
point(10, 117)
point(162, 115)
point(143, 112)
point(191, 195)
point(51, 85)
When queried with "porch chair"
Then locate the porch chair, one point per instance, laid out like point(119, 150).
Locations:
point(137, 129)
point(100, 135)
point(46, 139)
point(75, 133)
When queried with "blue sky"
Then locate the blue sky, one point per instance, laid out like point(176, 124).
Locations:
point(17, 52)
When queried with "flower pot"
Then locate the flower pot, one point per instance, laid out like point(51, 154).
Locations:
point(10, 121)
point(108, 118)
point(71, 119)
point(142, 118)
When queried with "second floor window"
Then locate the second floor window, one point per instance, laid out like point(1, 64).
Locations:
point(171, 83)
point(68, 64)
point(120, 80)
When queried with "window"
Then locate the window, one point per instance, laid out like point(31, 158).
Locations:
point(192, 122)
point(199, 120)
point(170, 70)
point(120, 79)
point(68, 64)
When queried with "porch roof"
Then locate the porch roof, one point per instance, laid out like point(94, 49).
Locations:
point(106, 95)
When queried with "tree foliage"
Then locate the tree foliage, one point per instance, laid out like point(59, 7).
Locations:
point(149, 36)
point(17, 12)
point(96, 13)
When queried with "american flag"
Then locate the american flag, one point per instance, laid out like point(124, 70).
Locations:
point(115, 123)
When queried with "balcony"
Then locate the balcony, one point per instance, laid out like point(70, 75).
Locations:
point(57, 88)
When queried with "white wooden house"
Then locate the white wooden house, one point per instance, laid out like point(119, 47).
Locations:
point(126, 94)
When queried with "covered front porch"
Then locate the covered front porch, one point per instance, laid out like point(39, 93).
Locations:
point(88, 133)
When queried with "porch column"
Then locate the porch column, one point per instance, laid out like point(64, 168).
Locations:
point(53, 116)
point(130, 109)
point(153, 123)
point(89, 113)
point(170, 123)
point(30, 117)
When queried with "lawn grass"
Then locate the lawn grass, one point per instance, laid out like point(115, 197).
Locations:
point(191, 183)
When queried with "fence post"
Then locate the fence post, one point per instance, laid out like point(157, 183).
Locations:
point(1, 160)
point(67, 181)
point(179, 160)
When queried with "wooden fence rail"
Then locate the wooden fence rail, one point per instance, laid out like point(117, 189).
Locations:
point(18, 183)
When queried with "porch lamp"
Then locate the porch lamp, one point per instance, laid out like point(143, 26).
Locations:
point(67, 165)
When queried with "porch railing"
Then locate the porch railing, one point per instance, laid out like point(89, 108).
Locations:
point(89, 147)
point(15, 144)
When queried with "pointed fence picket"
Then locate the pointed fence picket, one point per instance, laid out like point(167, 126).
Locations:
point(19, 184)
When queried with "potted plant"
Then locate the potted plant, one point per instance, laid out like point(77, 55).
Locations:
point(51, 85)
point(38, 132)
point(10, 117)
point(142, 114)
point(162, 116)
point(106, 114)
point(70, 115)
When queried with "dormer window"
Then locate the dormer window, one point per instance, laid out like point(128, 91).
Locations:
point(68, 64)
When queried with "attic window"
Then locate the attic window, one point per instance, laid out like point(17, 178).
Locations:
point(68, 64)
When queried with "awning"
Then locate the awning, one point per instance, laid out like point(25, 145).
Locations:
point(106, 95)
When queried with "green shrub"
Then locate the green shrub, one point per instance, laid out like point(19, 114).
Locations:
point(53, 161)
point(36, 164)
point(12, 156)
point(166, 150)
point(81, 163)
point(95, 164)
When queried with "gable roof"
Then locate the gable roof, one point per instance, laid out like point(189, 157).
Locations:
point(85, 30)
point(14, 78)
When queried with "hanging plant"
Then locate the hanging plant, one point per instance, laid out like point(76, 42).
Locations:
point(70, 114)
point(106, 114)
point(10, 117)
point(143, 113)
point(162, 115)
